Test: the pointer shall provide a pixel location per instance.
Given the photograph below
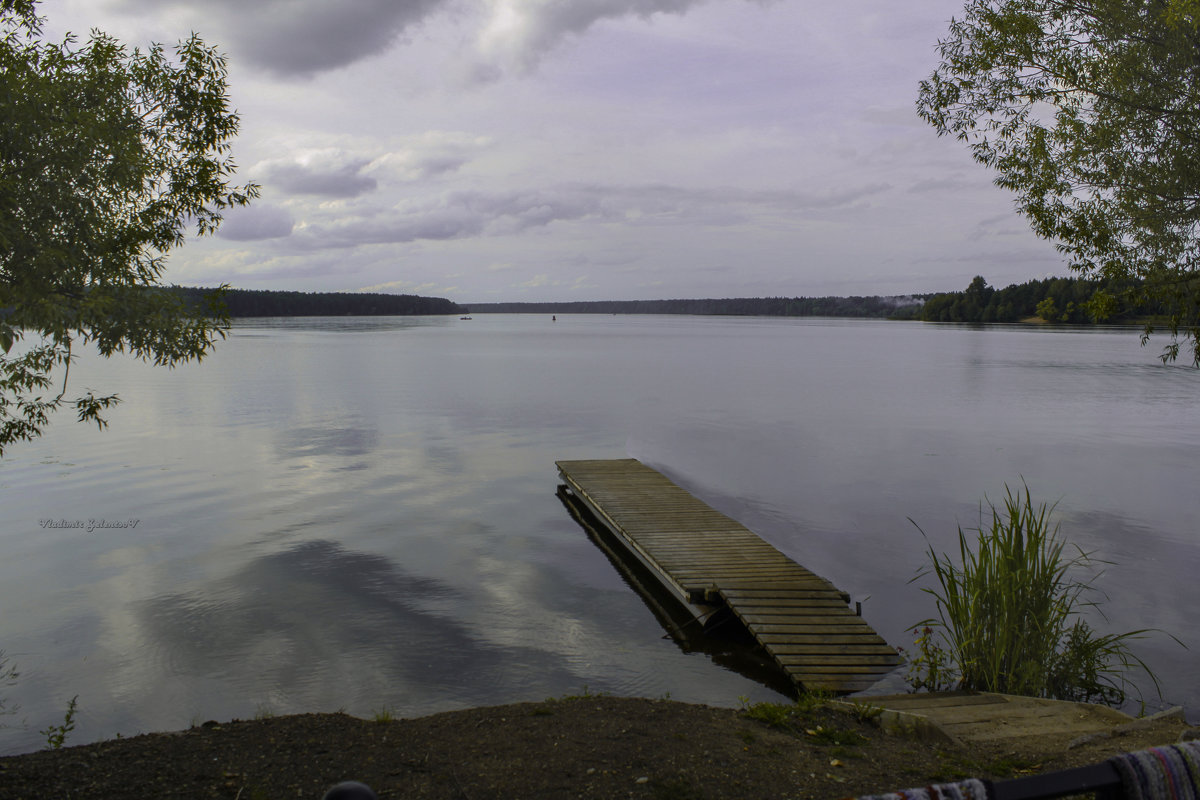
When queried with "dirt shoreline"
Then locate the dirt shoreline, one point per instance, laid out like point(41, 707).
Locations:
point(589, 747)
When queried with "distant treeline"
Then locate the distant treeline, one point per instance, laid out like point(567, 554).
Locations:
point(1075, 300)
point(263, 303)
point(741, 306)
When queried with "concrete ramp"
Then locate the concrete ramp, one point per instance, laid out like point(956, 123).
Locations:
point(988, 717)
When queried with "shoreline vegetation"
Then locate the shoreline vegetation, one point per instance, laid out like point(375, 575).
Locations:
point(267, 303)
point(868, 307)
point(1075, 301)
point(579, 746)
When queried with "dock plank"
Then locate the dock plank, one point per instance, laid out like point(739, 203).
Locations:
point(799, 618)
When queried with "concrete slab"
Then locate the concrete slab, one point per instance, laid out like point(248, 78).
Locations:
point(990, 717)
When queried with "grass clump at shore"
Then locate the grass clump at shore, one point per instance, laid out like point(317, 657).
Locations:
point(1008, 615)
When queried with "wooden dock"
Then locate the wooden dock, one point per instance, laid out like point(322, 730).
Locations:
point(708, 561)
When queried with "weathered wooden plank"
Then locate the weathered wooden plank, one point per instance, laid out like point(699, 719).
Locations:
point(822, 628)
point(746, 572)
point(712, 532)
point(805, 668)
point(830, 616)
point(837, 659)
point(825, 647)
point(739, 562)
point(809, 583)
point(697, 547)
point(703, 541)
point(673, 517)
point(684, 562)
point(778, 595)
point(771, 634)
point(765, 605)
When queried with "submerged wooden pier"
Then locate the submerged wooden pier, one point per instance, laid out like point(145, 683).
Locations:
point(709, 562)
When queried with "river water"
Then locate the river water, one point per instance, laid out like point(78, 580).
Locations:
point(360, 513)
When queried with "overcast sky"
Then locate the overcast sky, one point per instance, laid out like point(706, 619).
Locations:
point(489, 150)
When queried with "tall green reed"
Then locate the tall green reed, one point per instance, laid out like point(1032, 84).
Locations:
point(1008, 615)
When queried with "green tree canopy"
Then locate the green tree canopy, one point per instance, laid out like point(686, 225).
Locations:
point(1089, 110)
point(107, 157)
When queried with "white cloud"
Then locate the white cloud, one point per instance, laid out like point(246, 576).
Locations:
point(408, 287)
point(517, 33)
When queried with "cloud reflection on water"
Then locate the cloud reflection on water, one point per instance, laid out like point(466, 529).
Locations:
point(299, 624)
point(311, 442)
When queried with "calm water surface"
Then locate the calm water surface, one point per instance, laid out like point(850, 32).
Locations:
point(360, 513)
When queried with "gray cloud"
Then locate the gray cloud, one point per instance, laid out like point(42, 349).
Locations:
point(949, 183)
point(256, 222)
point(787, 199)
point(438, 165)
point(342, 180)
point(459, 215)
point(303, 37)
point(511, 212)
point(436, 224)
point(342, 172)
point(468, 214)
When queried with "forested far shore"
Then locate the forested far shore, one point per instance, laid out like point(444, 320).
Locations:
point(875, 306)
point(1079, 301)
point(267, 303)
point(1070, 300)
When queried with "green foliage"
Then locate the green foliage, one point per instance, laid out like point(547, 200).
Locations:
point(866, 711)
point(1090, 114)
point(384, 716)
point(1047, 310)
point(812, 699)
point(1075, 300)
point(774, 715)
point(835, 736)
point(587, 693)
point(957, 766)
point(107, 155)
point(1008, 615)
point(263, 303)
point(930, 668)
point(56, 735)
point(790, 717)
point(1101, 307)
